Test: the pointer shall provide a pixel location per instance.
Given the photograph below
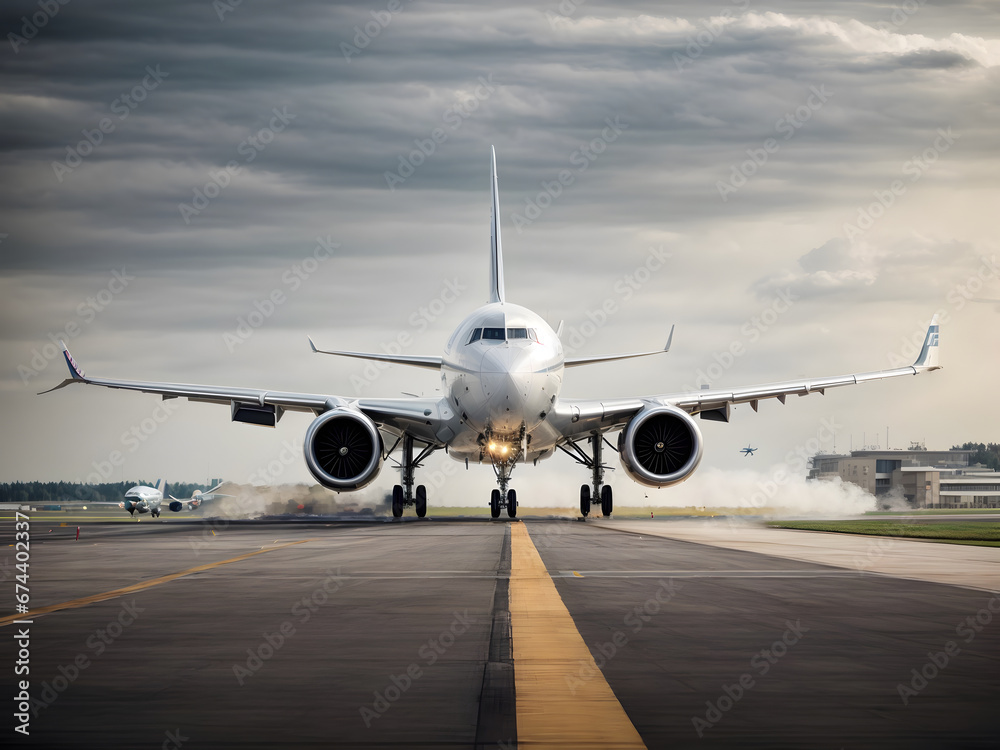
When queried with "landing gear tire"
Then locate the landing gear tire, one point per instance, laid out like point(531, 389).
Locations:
point(397, 501)
point(421, 501)
point(585, 500)
point(607, 503)
point(511, 503)
point(495, 504)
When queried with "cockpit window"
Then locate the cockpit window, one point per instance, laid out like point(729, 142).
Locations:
point(493, 334)
point(517, 333)
point(476, 334)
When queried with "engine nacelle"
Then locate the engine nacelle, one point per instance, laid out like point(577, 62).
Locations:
point(660, 446)
point(343, 450)
point(176, 506)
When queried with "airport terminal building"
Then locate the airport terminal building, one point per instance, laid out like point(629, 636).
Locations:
point(927, 479)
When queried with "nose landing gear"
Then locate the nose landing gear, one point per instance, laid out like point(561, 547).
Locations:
point(503, 452)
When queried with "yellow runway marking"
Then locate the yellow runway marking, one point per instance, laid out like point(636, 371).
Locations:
point(577, 574)
point(557, 706)
point(93, 599)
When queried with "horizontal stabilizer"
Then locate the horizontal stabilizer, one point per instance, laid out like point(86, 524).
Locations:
point(430, 363)
point(579, 361)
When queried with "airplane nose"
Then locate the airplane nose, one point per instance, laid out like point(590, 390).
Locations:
point(506, 379)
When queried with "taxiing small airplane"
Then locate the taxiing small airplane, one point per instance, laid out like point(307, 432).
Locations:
point(501, 375)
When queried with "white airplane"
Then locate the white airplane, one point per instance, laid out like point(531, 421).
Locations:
point(142, 499)
point(501, 375)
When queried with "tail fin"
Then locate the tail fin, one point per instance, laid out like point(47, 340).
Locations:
point(161, 485)
point(929, 357)
point(496, 252)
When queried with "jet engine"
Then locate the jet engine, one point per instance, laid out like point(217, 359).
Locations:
point(176, 506)
point(343, 450)
point(660, 446)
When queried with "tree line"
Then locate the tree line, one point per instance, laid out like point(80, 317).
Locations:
point(54, 493)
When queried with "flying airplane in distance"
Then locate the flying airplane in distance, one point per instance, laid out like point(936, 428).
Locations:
point(748, 451)
point(501, 377)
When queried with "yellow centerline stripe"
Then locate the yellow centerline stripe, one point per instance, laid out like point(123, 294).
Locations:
point(93, 599)
point(555, 708)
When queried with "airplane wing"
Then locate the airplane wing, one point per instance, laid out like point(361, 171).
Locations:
point(577, 361)
point(577, 418)
point(427, 419)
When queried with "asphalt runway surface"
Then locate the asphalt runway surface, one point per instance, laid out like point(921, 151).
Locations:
point(410, 635)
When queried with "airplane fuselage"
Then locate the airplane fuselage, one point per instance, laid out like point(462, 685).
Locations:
point(142, 499)
point(502, 371)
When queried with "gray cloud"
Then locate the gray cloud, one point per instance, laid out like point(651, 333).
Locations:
point(697, 87)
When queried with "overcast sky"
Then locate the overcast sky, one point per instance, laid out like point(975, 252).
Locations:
point(812, 181)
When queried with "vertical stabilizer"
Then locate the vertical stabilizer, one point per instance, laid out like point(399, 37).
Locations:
point(496, 252)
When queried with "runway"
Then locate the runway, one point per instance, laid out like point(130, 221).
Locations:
point(490, 634)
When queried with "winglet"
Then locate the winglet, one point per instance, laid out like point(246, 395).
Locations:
point(670, 339)
point(74, 369)
point(76, 375)
point(496, 251)
point(929, 357)
point(312, 345)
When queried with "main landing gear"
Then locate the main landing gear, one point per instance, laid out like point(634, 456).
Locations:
point(404, 495)
point(503, 452)
point(601, 494)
